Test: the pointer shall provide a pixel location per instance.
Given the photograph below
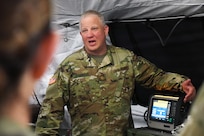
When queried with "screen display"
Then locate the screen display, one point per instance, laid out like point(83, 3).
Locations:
point(163, 110)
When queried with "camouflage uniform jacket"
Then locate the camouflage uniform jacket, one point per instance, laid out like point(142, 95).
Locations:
point(194, 126)
point(10, 128)
point(99, 97)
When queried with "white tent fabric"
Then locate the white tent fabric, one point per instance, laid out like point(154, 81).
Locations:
point(70, 10)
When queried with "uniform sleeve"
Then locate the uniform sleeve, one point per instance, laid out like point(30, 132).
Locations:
point(52, 109)
point(150, 76)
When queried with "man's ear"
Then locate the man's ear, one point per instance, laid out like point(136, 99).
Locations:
point(106, 29)
point(44, 54)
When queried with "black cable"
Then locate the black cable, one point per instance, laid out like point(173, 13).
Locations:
point(145, 115)
point(163, 42)
point(36, 98)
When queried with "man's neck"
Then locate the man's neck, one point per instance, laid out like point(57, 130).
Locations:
point(99, 52)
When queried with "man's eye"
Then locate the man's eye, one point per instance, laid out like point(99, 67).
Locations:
point(83, 31)
point(94, 28)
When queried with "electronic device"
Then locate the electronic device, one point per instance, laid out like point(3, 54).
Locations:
point(166, 112)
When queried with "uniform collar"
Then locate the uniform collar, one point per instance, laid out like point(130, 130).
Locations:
point(108, 59)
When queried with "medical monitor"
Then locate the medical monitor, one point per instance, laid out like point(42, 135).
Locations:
point(164, 112)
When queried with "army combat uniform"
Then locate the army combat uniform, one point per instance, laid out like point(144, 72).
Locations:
point(195, 124)
point(99, 95)
point(10, 128)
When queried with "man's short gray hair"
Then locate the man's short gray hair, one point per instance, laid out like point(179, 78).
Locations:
point(92, 12)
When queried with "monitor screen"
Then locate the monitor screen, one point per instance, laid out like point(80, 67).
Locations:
point(163, 110)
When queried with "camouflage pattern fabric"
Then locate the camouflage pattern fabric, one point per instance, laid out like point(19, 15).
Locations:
point(10, 128)
point(99, 96)
point(195, 124)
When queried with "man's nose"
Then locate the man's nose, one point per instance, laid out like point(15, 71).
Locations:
point(90, 33)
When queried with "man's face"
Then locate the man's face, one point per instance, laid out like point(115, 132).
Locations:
point(94, 33)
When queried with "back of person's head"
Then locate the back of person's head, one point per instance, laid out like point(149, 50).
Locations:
point(23, 25)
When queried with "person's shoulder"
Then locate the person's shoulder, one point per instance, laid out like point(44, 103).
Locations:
point(10, 128)
point(113, 47)
point(77, 55)
point(120, 50)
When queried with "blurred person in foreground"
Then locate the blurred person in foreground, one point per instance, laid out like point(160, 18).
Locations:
point(97, 83)
point(194, 125)
point(26, 47)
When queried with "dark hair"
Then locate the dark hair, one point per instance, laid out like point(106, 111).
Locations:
point(26, 24)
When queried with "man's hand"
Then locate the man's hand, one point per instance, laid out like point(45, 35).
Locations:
point(189, 89)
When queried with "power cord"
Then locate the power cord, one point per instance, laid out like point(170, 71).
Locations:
point(146, 115)
point(36, 98)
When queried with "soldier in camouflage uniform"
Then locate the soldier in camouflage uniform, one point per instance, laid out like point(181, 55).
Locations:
point(25, 36)
point(97, 84)
point(195, 124)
